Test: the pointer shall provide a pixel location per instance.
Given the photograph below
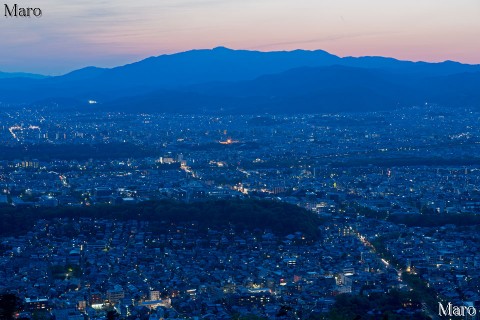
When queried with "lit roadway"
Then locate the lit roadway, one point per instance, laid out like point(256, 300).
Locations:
point(388, 265)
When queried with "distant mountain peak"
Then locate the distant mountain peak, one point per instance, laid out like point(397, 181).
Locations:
point(222, 48)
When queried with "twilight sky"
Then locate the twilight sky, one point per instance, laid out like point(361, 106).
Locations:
point(77, 33)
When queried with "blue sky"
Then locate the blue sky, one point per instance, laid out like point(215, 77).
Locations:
point(74, 34)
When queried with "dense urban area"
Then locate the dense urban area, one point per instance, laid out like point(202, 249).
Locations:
point(368, 215)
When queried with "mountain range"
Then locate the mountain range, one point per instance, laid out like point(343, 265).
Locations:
point(5, 75)
point(241, 81)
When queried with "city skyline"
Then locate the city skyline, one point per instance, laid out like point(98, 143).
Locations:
point(106, 34)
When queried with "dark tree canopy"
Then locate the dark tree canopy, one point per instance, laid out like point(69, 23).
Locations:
point(279, 217)
point(9, 304)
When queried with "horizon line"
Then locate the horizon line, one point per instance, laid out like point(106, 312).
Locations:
point(232, 49)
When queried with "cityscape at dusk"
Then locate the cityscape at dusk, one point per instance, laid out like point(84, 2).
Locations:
point(268, 159)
